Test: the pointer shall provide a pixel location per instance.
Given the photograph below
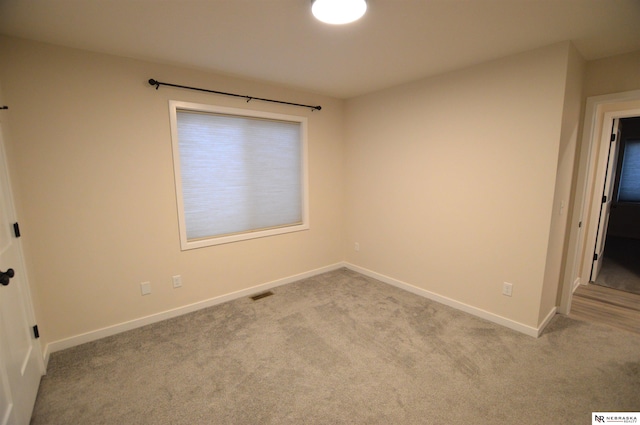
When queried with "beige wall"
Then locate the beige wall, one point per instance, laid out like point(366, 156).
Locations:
point(558, 262)
point(452, 184)
point(613, 75)
point(451, 180)
point(90, 150)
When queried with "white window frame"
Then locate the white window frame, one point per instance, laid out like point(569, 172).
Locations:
point(186, 244)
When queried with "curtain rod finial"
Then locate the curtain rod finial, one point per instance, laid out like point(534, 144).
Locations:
point(154, 83)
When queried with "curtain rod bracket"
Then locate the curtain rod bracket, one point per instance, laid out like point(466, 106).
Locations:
point(157, 83)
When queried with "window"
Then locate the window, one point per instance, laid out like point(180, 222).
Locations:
point(629, 186)
point(239, 174)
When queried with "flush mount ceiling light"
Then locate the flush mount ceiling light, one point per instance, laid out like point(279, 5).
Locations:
point(338, 11)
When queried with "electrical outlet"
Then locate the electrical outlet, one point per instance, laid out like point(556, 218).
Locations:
point(177, 281)
point(145, 288)
point(356, 246)
point(507, 289)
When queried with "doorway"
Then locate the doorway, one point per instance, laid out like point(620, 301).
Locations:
point(600, 113)
point(616, 262)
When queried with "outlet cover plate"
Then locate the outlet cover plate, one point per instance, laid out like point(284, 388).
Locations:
point(507, 289)
point(177, 281)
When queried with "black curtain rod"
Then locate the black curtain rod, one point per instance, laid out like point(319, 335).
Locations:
point(249, 98)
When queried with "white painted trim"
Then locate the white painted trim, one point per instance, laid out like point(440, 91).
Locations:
point(483, 314)
point(62, 344)
point(565, 307)
point(578, 235)
point(600, 150)
point(576, 284)
point(596, 122)
point(185, 243)
point(546, 320)
point(75, 340)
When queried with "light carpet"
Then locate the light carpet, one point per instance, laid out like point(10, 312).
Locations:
point(342, 348)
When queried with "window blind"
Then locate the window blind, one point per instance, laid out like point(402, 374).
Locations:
point(238, 173)
point(629, 190)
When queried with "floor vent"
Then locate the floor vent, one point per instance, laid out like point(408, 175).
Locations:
point(262, 295)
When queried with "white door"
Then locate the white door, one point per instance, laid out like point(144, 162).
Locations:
point(607, 200)
point(21, 363)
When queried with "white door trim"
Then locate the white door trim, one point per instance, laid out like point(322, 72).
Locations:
point(622, 105)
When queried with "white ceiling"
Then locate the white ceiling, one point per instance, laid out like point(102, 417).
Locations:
point(279, 41)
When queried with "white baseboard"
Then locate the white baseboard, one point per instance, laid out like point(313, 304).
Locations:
point(503, 321)
point(546, 320)
point(576, 284)
point(62, 344)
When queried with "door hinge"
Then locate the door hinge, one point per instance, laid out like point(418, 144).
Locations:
point(613, 137)
point(16, 230)
point(604, 199)
point(36, 333)
point(595, 257)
